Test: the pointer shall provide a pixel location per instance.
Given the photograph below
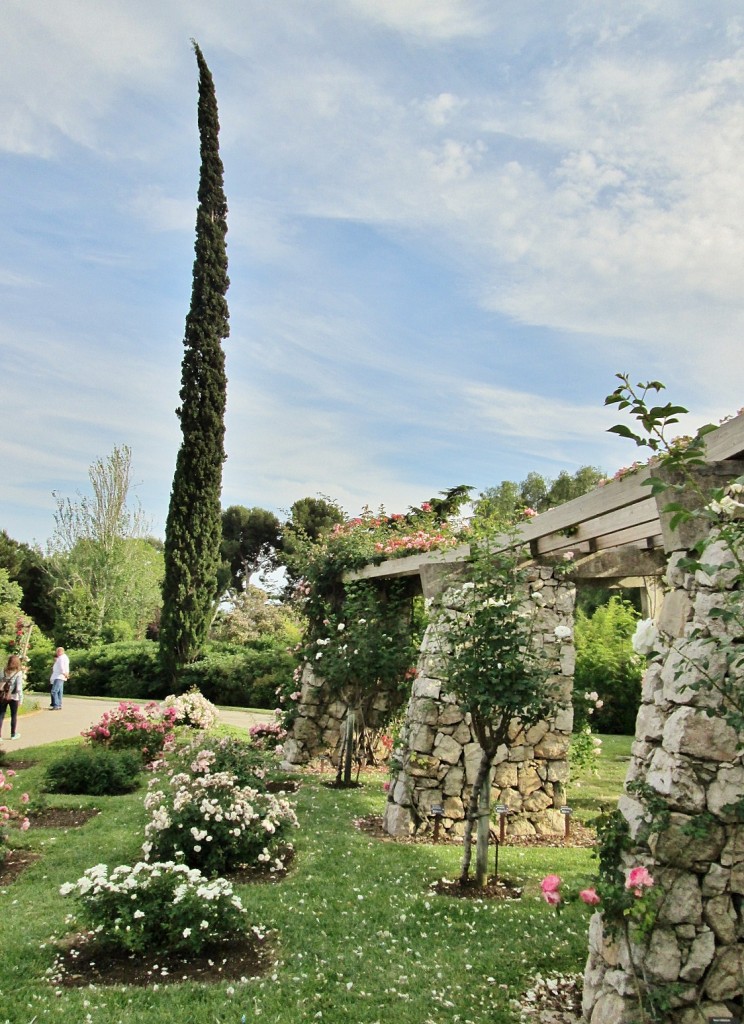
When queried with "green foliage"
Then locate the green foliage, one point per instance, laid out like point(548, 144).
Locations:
point(607, 665)
point(28, 567)
point(193, 526)
point(249, 765)
point(105, 574)
point(493, 665)
point(130, 669)
point(240, 678)
point(98, 772)
point(501, 506)
point(250, 618)
point(251, 538)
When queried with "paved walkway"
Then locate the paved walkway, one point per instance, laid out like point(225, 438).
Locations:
point(79, 713)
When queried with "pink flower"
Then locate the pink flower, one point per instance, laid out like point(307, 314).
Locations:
point(25, 798)
point(552, 896)
point(551, 883)
point(25, 825)
point(589, 896)
point(637, 879)
point(386, 787)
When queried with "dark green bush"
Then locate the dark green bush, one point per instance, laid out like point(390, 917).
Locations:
point(606, 664)
point(229, 675)
point(95, 771)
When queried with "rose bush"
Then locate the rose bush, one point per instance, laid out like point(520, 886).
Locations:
point(158, 907)
point(192, 709)
point(210, 822)
point(129, 726)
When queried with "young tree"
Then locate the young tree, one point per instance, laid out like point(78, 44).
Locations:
point(192, 533)
point(495, 670)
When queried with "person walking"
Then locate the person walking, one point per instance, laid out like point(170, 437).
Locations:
point(60, 673)
point(11, 693)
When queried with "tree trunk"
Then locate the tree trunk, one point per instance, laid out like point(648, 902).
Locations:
point(472, 813)
point(348, 748)
point(484, 826)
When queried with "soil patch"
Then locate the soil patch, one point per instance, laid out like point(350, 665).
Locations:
point(17, 764)
point(15, 863)
point(580, 836)
point(82, 963)
point(277, 786)
point(342, 785)
point(62, 817)
point(494, 889)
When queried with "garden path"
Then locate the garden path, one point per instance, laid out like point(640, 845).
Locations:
point(79, 713)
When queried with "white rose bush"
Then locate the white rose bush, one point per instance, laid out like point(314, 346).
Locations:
point(158, 908)
point(192, 710)
point(208, 821)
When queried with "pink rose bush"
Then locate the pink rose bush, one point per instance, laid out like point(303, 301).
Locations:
point(267, 735)
point(638, 879)
point(9, 814)
point(129, 726)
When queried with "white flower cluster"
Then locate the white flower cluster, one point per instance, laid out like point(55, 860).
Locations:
point(730, 506)
point(208, 817)
point(645, 638)
point(192, 709)
point(128, 905)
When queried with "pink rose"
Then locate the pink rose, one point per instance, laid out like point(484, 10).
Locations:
point(589, 896)
point(25, 825)
point(25, 798)
point(551, 883)
point(552, 896)
point(637, 879)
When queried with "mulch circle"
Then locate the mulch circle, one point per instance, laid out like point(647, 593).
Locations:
point(17, 764)
point(15, 863)
point(494, 889)
point(580, 836)
point(82, 962)
point(62, 817)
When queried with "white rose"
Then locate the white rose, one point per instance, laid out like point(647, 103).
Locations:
point(645, 637)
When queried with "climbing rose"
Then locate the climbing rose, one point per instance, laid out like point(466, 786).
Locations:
point(637, 879)
point(589, 896)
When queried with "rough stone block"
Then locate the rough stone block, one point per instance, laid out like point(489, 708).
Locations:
point(447, 749)
point(692, 732)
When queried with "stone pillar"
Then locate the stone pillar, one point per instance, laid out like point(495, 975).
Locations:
point(437, 758)
point(688, 763)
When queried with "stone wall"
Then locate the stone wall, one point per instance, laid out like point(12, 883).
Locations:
point(693, 763)
point(437, 758)
point(317, 729)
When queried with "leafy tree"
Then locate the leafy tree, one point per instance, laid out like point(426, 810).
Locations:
point(28, 567)
point(251, 538)
point(313, 516)
point(193, 527)
point(251, 618)
point(362, 648)
point(497, 672)
point(102, 569)
point(500, 506)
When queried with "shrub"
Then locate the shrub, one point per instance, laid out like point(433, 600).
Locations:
point(212, 823)
point(607, 665)
point(128, 669)
point(99, 772)
point(249, 765)
point(131, 727)
point(267, 735)
point(8, 814)
point(158, 908)
point(192, 709)
point(240, 678)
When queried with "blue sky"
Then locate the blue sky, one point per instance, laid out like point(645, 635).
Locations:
point(451, 223)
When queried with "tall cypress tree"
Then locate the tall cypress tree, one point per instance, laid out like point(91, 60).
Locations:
point(193, 530)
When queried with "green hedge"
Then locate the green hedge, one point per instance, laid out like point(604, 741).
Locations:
point(240, 677)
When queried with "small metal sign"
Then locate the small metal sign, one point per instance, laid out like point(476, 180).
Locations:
point(437, 810)
point(501, 809)
point(566, 810)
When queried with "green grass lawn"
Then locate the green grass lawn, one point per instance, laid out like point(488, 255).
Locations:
point(359, 935)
